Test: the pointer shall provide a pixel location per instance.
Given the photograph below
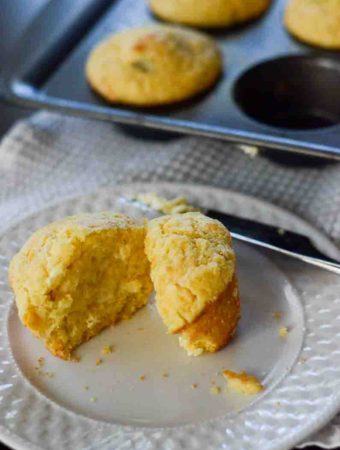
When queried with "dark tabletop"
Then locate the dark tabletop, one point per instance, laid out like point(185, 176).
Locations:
point(14, 17)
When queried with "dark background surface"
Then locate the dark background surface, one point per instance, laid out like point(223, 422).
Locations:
point(14, 17)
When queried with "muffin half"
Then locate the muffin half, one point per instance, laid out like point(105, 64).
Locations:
point(194, 276)
point(79, 275)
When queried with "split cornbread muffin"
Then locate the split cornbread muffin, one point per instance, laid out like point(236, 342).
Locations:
point(153, 65)
point(79, 275)
point(194, 276)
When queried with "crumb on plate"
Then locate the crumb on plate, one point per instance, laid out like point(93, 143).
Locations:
point(194, 386)
point(40, 371)
point(107, 349)
point(243, 382)
point(99, 361)
point(176, 205)
point(215, 390)
point(142, 377)
point(283, 332)
point(41, 361)
point(277, 315)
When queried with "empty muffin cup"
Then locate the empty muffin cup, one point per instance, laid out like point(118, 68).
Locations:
point(296, 92)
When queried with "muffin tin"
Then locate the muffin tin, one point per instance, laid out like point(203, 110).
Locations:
point(275, 92)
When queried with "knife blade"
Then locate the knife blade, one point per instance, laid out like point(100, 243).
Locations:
point(271, 237)
point(275, 238)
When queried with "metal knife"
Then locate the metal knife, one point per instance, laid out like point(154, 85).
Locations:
point(271, 237)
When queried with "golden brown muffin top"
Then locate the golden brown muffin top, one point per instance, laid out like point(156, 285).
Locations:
point(191, 264)
point(153, 65)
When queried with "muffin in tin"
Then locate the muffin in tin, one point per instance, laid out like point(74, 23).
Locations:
point(208, 13)
point(153, 65)
point(314, 22)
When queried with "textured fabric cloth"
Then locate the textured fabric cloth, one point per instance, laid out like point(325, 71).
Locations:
point(49, 156)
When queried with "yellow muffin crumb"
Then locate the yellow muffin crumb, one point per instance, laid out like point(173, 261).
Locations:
point(79, 275)
point(41, 372)
point(93, 399)
point(107, 349)
point(153, 65)
point(277, 315)
point(283, 332)
point(165, 375)
point(249, 150)
point(243, 382)
point(142, 377)
point(194, 386)
point(215, 390)
point(99, 361)
point(177, 205)
point(41, 361)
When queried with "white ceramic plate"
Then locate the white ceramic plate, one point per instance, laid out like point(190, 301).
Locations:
point(85, 406)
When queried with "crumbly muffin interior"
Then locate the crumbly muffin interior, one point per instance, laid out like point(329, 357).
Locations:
point(76, 277)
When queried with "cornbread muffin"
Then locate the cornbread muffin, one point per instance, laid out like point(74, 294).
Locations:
point(209, 13)
point(153, 65)
point(243, 383)
point(78, 275)
point(316, 22)
point(193, 271)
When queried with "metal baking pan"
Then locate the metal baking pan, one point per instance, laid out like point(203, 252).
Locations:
point(275, 91)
